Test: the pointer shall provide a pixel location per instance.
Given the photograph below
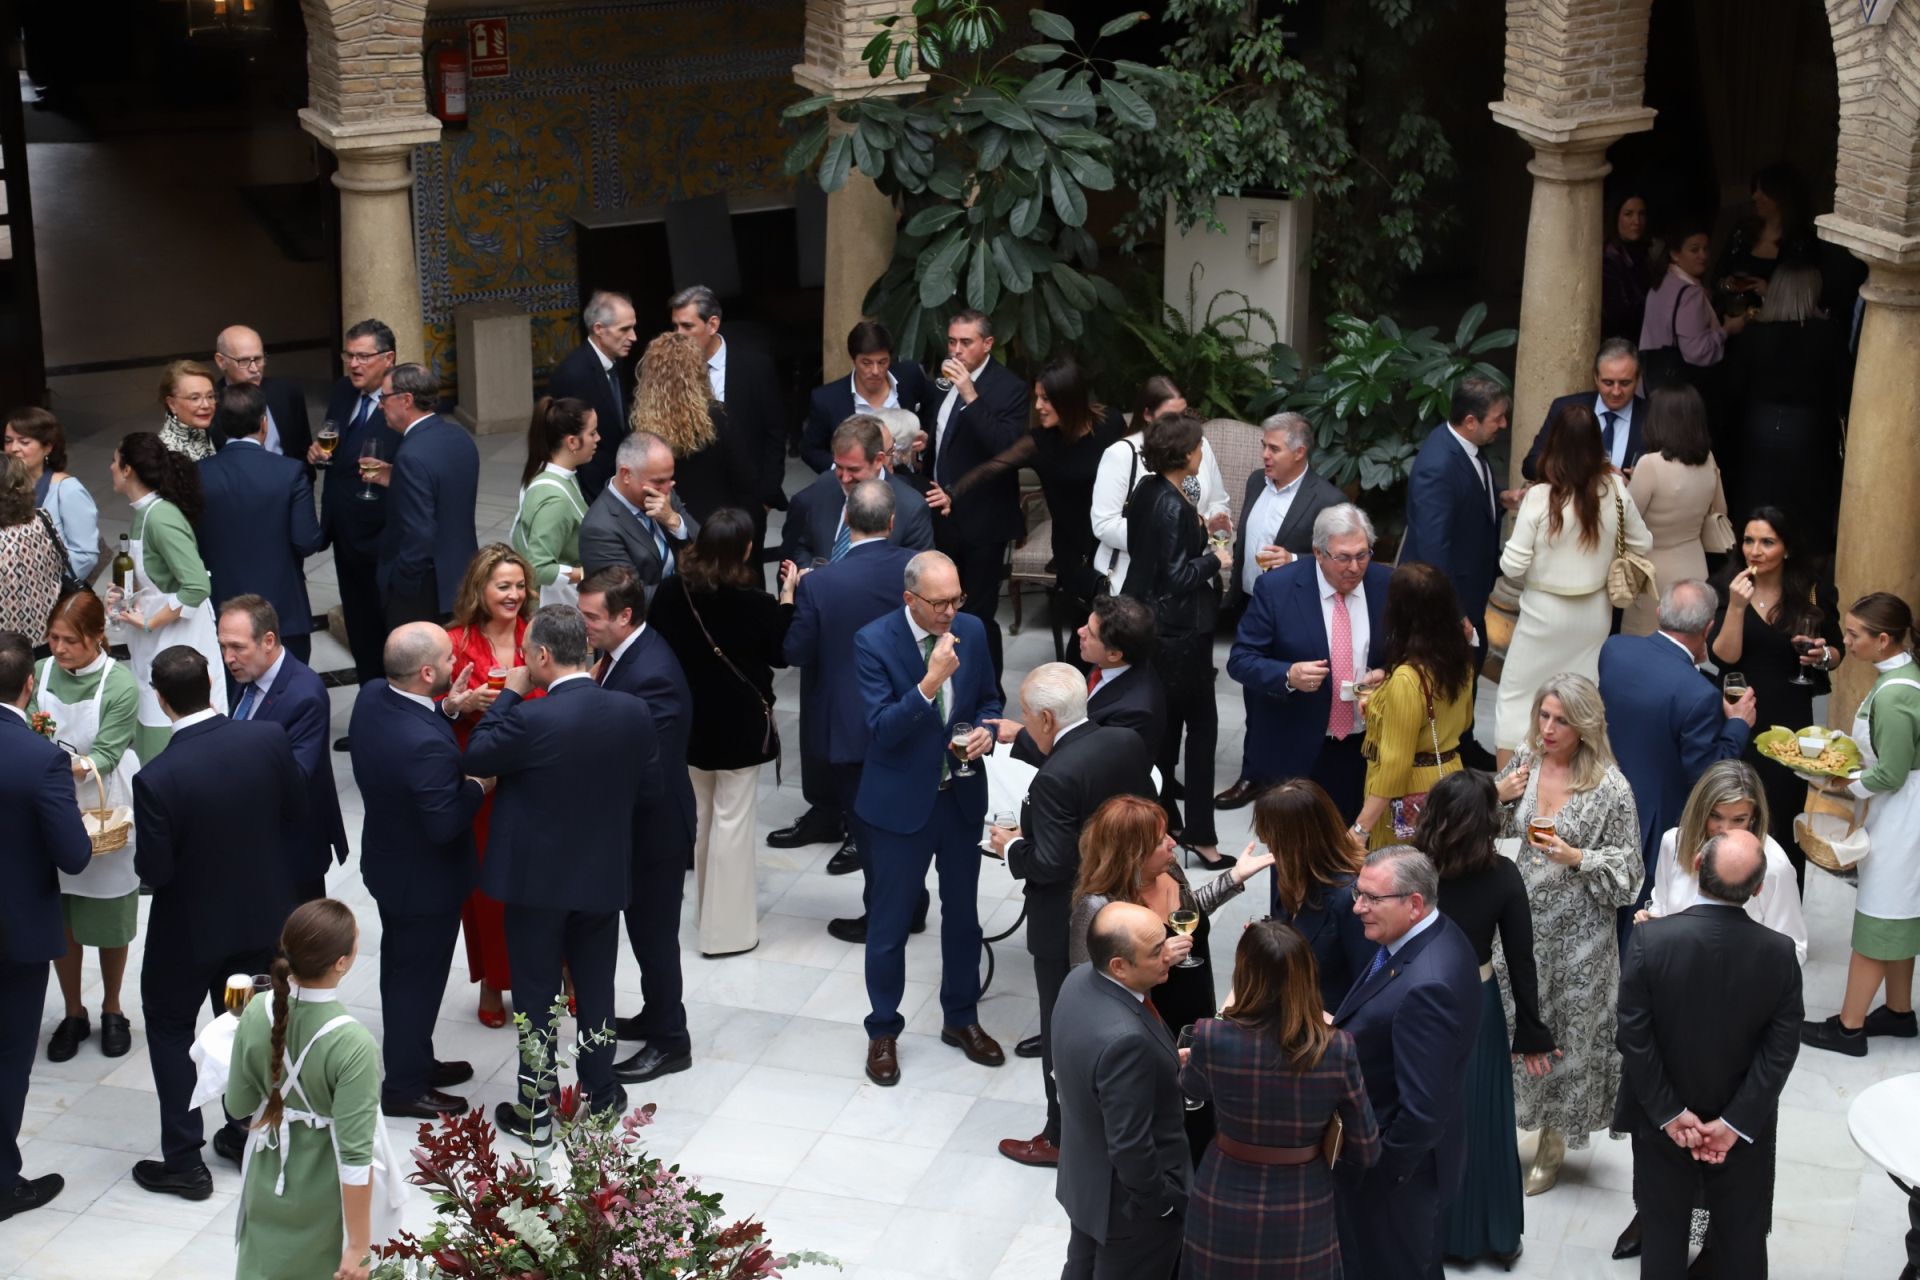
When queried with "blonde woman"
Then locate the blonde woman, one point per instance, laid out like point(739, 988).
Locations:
point(1728, 797)
point(186, 393)
point(1578, 874)
point(713, 459)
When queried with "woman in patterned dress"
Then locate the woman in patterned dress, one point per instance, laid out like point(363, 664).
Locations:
point(1577, 876)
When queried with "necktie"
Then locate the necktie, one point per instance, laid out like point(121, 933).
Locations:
point(619, 405)
point(1486, 479)
point(1340, 661)
point(1154, 1009)
point(939, 705)
point(362, 413)
point(659, 545)
point(842, 541)
point(1611, 419)
point(1379, 962)
point(1093, 679)
point(601, 668)
point(245, 710)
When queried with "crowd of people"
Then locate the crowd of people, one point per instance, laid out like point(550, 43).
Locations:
point(1458, 943)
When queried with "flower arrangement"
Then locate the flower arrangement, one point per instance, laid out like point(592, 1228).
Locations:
point(610, 1211)
point(42, 723)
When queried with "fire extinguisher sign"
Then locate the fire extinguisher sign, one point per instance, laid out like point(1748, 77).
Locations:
point(487, 48)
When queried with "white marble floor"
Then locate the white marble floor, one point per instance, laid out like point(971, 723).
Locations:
point(902, 1183)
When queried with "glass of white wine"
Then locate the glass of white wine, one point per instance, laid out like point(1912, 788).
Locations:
point(1185, 922)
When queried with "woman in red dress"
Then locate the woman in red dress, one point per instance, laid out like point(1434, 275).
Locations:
point(490, 617)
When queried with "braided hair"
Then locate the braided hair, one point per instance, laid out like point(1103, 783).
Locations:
point(316, 935)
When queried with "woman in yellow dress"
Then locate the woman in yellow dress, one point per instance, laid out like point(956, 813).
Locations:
point(1417, 715)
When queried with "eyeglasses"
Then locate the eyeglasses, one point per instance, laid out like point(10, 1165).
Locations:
point(1375, 899)
point(246, 362)
point(1357, 558)
point(198, 397)
point(940, 606)
point(362, 357)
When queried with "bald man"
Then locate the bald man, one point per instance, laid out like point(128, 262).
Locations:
point(241, 358)
point(1710, 1014)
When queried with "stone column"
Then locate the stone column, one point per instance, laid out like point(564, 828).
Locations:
point(1560, 291)
point(379, 277)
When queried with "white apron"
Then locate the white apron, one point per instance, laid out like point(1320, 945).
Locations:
point(1890, 873)
point(77, 724)
point(559, 591)
point(196, 628)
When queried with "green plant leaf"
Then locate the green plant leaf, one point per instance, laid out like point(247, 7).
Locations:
point(983, 285)
point(1041, 53)
point(1004, 112)
point(948, 181)
point(1090, 173)
point(1014, 272)
point(1025, 216)
point(941, 279)
point(1125, 22)
point(1128, 107)
point(1494, 341)
point(806, 149)
point(1065, 318)
point(1074, 287)
point(1029, 153)
point(807, 106)
point(866, 157)
point(1469, 324)
point(1159, 76)
point(932, 219)
point(839, 159)
point(903, 59)
point(1051, 25)
point(1069, 201)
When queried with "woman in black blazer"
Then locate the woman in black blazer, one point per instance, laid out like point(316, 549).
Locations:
point(1172, 569)
point(728, 634)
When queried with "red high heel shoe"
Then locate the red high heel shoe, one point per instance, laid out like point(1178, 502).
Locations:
point(495, 1018)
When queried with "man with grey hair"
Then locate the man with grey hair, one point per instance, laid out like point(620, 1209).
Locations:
point(743, 382)
point(1311, 632)
point(563, 867)
point(1667, 721)
point(1283, 500)
point(1413, 1015)
point(1618, 408)
point(596, 372)
point(242, 360)
point(1085, 766)
point(638, 520)
point(432, 483)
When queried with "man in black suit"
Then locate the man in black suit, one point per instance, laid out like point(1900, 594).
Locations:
point(1616, 404)
point(272, 684)
point(743, 382)
point(878, 381)
point(44, 835)
point(1125, 1171)
point(594, 372)
point(1085, 765)
point(433, 481)
point(416, 857)
point(353, 514)
point(218, 814)
point(242, 361)
point(981, 415)
point(638, 520)
point(1283, 498)
point(257, 528)
point(1710, 1015)
point(636, 660)
point(1123, 689)
point(575, 770)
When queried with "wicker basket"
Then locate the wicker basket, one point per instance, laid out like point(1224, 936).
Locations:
point(108, 836)
point(1830, 830)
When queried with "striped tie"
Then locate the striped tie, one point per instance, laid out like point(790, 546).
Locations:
point(842, 540)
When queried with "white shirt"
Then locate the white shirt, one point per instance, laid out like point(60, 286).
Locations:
point(620, 650)
point(416, 422)
point(1263, 523)
point(1695, 662)
point(1480, 468)
point(1420, 926)
point(264, 685)
point(1357, 624)
point(572, 675)
point(606, 361)
point(717, 372)
point(272, 442)
point(1139, 997)
point(920, 635)
point(861, 403)
point(950, 406)
point(187, 722)
point(1622, 426)
point(1067, 729)
point(1108, 675)
point(1776, 906)
point(418, 699)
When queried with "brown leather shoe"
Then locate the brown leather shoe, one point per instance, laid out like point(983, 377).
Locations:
point(974, 1041)
point(1238, 796)
point(883, 1061)
point(1035, 1151)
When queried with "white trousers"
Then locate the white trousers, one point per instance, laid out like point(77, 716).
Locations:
point(725, 883)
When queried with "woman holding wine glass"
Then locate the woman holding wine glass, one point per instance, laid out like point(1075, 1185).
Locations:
point(1779, 630)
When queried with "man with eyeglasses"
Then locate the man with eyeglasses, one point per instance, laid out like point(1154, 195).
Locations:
point(1311, 633)
point(242, 360)
point(1413, 1016)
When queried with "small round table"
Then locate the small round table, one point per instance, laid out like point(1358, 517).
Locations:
point(1884, 1122)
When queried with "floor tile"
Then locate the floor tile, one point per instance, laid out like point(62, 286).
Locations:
point(860, 1167)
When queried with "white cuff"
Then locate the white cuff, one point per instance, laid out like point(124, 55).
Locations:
point(356, 1175)
point(1858, 789)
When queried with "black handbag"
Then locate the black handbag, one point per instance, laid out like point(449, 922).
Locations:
point(1665, 366)
point(68, 582)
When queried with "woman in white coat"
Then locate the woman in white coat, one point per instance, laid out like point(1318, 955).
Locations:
point(1121, 471)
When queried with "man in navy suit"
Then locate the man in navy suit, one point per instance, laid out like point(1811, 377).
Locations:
point(744, 384)
point(258, 527)
point(1667, 722)
point(816, 527)
point(594, 372)
point(1302, 718)
point(272, 684)
point(433, 481)
point(219, 814)
point(43, 835)
point(575, 769)
point(1413, 1016)
point(830, 606)
point(636, 660)
point(416, 857)
point(921, 671)
point(979, 417)
point(353, 514)
point(1616, 404)
point(242, 360)
point(878, 381)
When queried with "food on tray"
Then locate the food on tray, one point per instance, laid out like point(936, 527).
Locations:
point(1813, 750)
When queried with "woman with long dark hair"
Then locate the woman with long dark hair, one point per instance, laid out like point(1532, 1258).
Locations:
point(1625, 276)
point(561, 439)
point(1677, 488)
point(1315, 864)
point(1277, 1074)
point(1779, 228)
point(167, 600)
point(1779, 626)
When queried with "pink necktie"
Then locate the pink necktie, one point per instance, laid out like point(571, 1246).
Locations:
point(1340, 646)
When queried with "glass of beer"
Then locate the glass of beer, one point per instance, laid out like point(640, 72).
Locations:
point(1732, 686)
point(239, 991)
point(958, 741)
point(1185, 922)
point(497, 678)
point(328, 440)
point(1539, 830)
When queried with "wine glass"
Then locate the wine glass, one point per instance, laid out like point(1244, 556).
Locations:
point(328, 440)
point(1733, 686)
point(958, 741)
point(1805, 641)
point(1185, 922)
point(1002, 820)
point(369, 453)
point(1185, 1041)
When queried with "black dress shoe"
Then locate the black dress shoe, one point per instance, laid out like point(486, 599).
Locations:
point(812, 828)
point(1506, 1260)
point(1885, 1022)
point(229, 1143)
point(650, 1064)
point(1237, 796)
point(30, 1193)
point(1028, 1048)
point(430, 1105)
point(848, 929)
point(1628, 1245)
point(66, 1038)
point(340, 744)
point(189, 1184)
point(447, 1074)
point(508, 1121)
point(845, 861)
point(616, 1101)
point(116, 1037)
point(1834, 1036)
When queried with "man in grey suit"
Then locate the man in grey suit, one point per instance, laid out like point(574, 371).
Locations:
point(816, 527)
point(1124, 1167)
point(638, 520)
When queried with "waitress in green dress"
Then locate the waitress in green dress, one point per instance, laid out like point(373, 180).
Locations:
point(168, 601)
point(93, 703)
point(546, 530)
point(309, 1075)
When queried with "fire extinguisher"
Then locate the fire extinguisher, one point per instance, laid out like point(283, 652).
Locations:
point(449, 71)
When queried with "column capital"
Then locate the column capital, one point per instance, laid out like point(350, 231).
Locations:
point(1570, 135)
point(399, 132)
point(838, 32)
point(1883, 251)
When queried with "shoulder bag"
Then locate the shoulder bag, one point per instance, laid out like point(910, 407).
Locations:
point(1404, 811)
point(770, 735)
point(1665, 366)
point(1717, 535)
point(68, 582)
point(1630, 576)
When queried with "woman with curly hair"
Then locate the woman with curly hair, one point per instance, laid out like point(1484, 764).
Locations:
point(713, 460)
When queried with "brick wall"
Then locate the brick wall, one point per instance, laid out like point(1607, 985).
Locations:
point(1576, 58)
point(364, 59)
point(837, 30)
